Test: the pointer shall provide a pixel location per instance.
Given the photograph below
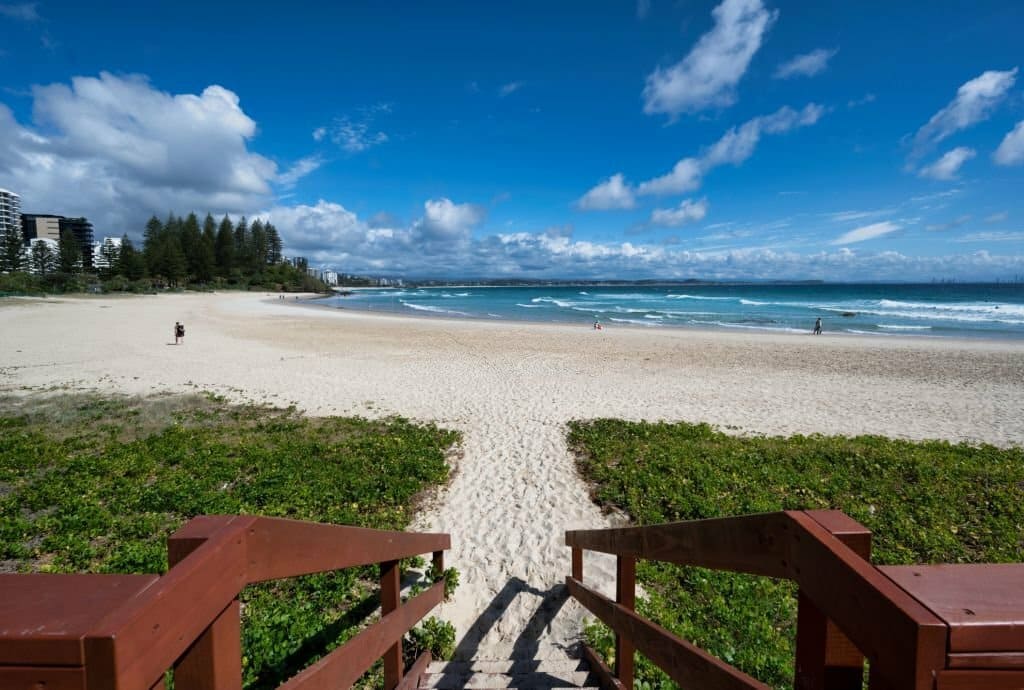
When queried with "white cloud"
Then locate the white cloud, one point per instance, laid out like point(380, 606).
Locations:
point(300, 169)
point(643, 7)
point(975, 100)
point(356, 133)
point(446, 220)
point(115, 149)
point(948, 166)
point(949, 225)
point(1011, 149)
point(997, 217)
point(857, 102)
point(867, 232)
point(25, 11)
point(612, 193)
point(806, 65)
point(735, 146)
point(687, 211)
point(330, 235)
point(992, 237)
point(510, 88)
point(708, 75)
point(847, 216)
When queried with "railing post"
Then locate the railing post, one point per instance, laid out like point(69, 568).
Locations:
point(214, 661)
point(625, 595)
point(390, 591)
point(825, 658)
point(577, 563)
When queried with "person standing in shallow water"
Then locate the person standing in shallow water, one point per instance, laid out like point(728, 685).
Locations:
point(817, 326)
point(179, 332)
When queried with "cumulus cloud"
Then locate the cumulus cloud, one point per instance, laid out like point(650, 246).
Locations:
point(1011, 149)
point(975, 101)
point(116, 149)
point(687, 211)
point(612, 193)
point(445, 221)
point(330, 235)
point(867, 232)
point(708, 75)
point(947, 167)
point(355, 133)
point(806, 65)
point(734, 147)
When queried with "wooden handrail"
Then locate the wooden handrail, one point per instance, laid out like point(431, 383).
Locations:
point(816, 549)
point(189, 618)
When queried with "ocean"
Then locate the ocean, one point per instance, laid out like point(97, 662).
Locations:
point(969, 311)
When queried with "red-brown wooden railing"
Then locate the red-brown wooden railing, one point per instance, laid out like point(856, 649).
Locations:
point(949, 627)
point(110, 632)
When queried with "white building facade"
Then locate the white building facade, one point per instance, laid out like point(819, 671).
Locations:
point(10, 212)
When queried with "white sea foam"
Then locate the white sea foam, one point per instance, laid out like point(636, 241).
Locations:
point(895, 327)
point(753, 303)
point(727, 324)
point(530, 306)
point(638, 322)
point(435, 310)
point(697, 297)
point(627, 295)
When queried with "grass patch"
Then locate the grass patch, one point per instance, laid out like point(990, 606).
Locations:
point(925, 502)
point(91, 484)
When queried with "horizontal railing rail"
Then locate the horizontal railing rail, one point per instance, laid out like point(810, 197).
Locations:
point(188, 620)
point(848, 608)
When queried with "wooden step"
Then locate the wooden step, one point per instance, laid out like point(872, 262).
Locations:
point(537, 674)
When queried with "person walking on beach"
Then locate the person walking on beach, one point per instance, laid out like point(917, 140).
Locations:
point(817, 326)
point(179, 332)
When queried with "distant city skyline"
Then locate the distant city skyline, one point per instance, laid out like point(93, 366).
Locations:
point(729, 140)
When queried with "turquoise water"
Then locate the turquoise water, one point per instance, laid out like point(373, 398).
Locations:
point(986, 311)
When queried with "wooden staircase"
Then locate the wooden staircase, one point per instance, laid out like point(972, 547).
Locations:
point(556, 671)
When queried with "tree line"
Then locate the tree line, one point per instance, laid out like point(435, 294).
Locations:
point(177, 252)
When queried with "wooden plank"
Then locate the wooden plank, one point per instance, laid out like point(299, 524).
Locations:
point(991, 660)
point(41, 678)
point(686, 664)
point(43, 618)
point(343, 667)
point(411, 680)
point(214, 661)
point(625, 596)
point(978, 680)
point(604, 674)
point(825, 657)
point(280, 548)
point(756, 544)
point(982, 603)
point(577, 563)
point(905, 642)
point(139, 641)
point(390, 598)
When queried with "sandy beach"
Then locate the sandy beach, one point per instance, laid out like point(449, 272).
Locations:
point(510, 388)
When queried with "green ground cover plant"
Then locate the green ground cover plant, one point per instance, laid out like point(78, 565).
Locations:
point(91, 484)
point(925, 502)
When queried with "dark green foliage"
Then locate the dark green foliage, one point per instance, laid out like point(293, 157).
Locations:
point(42, 259)
point(13, 256)
point(69, 253)
point(924, 502)
point(97, 485)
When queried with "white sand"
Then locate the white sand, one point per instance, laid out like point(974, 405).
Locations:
point(510, 388)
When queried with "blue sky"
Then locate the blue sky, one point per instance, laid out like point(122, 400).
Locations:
point(651, 139)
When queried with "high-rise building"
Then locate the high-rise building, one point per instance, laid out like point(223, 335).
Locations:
point(10, 212)
point(40, 226)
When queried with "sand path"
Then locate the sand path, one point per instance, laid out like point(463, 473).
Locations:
point(510, 388)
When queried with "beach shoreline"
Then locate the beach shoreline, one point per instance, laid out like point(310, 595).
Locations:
point(510, 388)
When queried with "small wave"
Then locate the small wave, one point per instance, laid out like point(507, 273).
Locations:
point(994, 309)
point(435, 310)
point(654, 316)
point(894, 327)
point(638, 322)
point(584, 292)
point(462, 294)
point(530, 306)
point(729, 324)
point(565, 304)
point(628, 295)
point(752, 303)
point(697, 297)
